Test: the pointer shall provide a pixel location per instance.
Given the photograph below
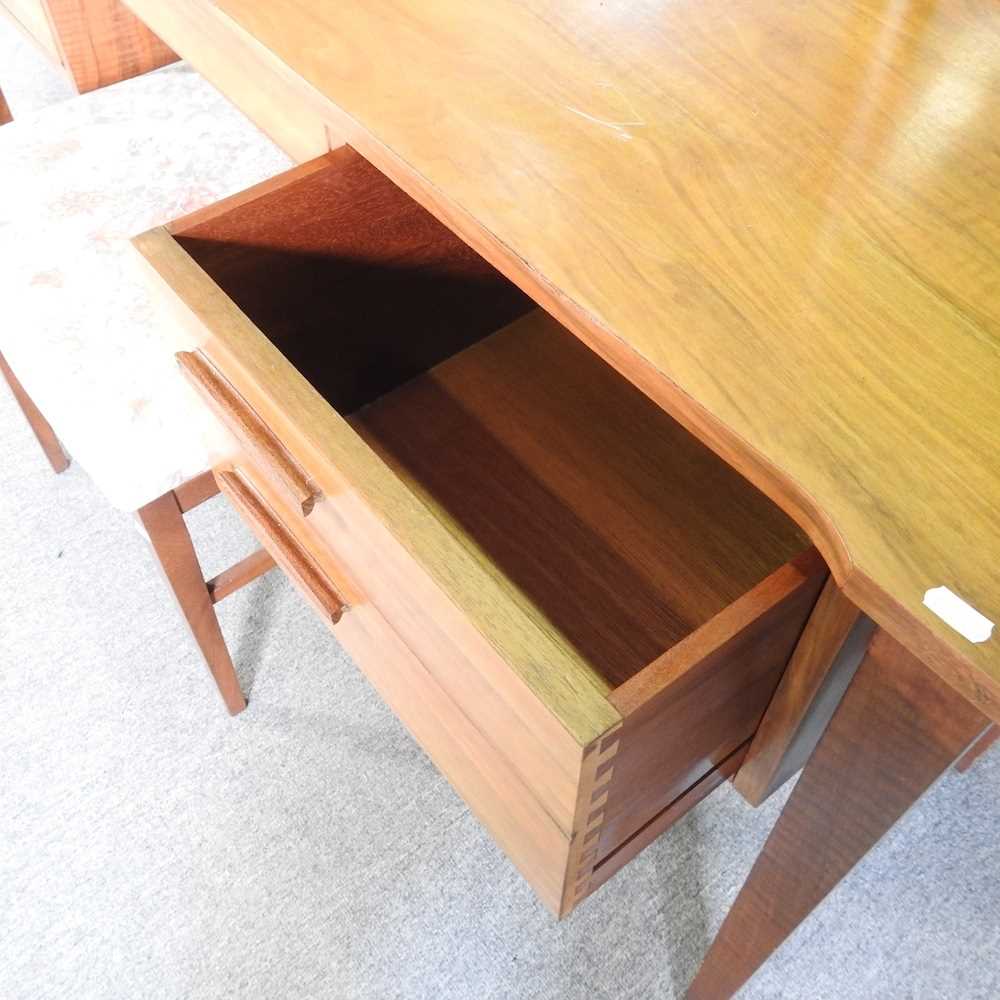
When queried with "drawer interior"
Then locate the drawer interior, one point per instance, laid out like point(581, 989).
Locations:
point(353, 281)
point(622, 528)
point(624, 531)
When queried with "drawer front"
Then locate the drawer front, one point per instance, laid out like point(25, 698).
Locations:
point(246, 425)
point(338, 525)
point(288, 553)
point(478, 744)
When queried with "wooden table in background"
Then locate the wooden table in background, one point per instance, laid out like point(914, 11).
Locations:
point(781, 222)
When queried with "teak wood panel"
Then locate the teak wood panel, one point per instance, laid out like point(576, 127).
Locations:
point(825, 658)
point(102, 42)
point(520, 773)
point(898, 728)
point(662, 821)
point(530, 737)
point(719, 682)
point(698, 702)
point(806, 283)
point(358, 286)
point(619, 526)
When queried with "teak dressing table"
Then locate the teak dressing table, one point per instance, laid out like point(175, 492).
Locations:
point(774, 228)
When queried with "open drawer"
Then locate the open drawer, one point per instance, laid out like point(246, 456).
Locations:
point(577, 609)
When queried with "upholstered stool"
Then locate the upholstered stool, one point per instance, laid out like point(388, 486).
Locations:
point(89, 349)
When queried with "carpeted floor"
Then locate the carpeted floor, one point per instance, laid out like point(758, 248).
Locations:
point(151, 847)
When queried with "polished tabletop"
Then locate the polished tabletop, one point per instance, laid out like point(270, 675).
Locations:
point(781, 219)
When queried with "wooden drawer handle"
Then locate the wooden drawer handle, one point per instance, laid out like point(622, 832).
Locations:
point(252, 433)
point(273, 535)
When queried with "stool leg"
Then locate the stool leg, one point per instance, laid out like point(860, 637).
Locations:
point(41, 427)
point(163, 520)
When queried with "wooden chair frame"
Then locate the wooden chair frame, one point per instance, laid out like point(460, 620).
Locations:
point(163, 521)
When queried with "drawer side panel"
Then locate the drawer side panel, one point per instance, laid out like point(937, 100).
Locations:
point(482, 747)
point(704, 698)
point(503, 804)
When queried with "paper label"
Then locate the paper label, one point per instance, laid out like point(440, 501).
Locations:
point(960, 615)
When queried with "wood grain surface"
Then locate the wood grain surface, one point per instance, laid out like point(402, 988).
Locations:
point(520, 771)
point(336, 457)
point(349, 277)
point(622, 529)
point(295, 560)
point(163, 521)
point(253, 78)
point(247, 427)
point(897, 729)
point(825, 658)
point(102, 42)
point(696, 703)
point(780, 220)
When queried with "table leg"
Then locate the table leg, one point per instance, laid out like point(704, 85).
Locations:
point(829, 651)
point(898, 728)
point(42, 429)
point(102, 42)
point(978, 749)
point(163, 520)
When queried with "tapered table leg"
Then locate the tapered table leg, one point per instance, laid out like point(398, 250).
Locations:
point(897, 729)
point(829, 651)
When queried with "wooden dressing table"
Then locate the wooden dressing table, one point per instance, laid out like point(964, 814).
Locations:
point(778, 221)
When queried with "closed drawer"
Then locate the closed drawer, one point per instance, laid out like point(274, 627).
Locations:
point(585, 612)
